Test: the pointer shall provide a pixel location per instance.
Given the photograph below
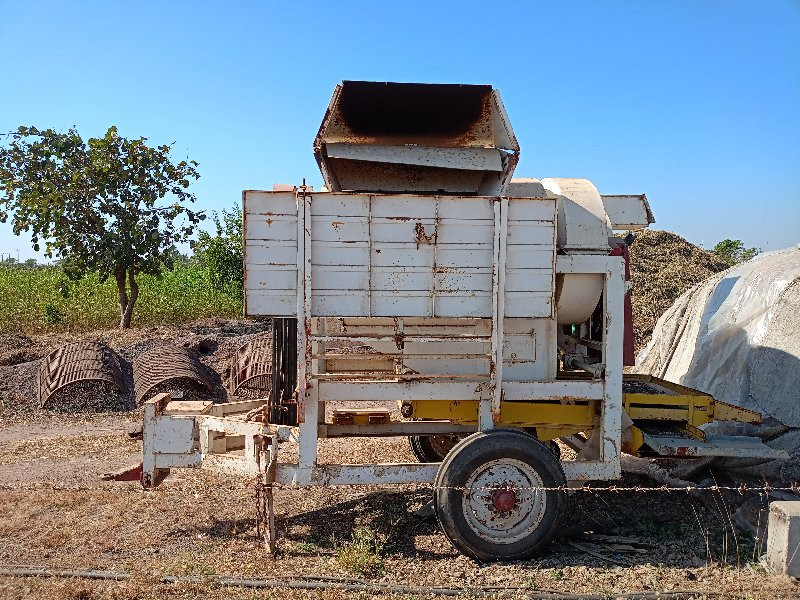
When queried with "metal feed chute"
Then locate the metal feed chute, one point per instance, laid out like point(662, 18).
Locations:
point(412, 137)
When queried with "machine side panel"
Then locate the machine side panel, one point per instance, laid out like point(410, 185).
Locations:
point(377, 255)
point(270, 253)
point(530, 263)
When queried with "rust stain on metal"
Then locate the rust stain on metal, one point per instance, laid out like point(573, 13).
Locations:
point(250, 371)
point(163, 363)
point(337, 224)
point(78, 361)
point(421, 237)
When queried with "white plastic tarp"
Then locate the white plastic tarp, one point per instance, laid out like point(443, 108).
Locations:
point(737, 337)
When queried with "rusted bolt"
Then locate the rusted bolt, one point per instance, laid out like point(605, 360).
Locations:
point(504, 500)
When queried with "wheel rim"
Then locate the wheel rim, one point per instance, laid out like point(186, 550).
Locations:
point(501, 502)
point(442, 443)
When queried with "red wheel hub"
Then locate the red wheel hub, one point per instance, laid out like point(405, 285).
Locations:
point(504, 500)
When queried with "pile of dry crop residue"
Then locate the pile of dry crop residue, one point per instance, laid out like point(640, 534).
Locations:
point(212, 341)
point(664, 266)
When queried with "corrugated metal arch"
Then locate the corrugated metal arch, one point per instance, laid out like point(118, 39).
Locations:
point(250, 371)
point(78, 361)
point(166, 362)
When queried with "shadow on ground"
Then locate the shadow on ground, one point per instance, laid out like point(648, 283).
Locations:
point(670, 529)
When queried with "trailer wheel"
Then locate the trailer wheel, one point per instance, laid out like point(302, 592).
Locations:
point(433, 448)
point(555, 449)
point(488, 495)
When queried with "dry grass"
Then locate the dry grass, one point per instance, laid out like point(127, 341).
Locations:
point(58, 447)
point(202, 524)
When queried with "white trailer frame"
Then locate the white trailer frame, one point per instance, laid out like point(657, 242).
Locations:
point(205, 439)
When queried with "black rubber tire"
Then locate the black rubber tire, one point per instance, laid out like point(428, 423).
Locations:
point(470, 454)
point(426, 449)
point(555, 449)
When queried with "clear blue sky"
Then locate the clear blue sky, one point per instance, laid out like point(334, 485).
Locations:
point(695, 103)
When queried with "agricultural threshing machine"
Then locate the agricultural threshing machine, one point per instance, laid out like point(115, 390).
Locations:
point(494, 313)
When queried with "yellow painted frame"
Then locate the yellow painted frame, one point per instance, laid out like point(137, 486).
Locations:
point(679, 404)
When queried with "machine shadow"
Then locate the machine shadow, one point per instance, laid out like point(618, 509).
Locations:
point(672, 529)
point(669, 529)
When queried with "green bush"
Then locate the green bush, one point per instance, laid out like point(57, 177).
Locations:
point(734, 251)
point(36, 299)
point(222, 255)
point(52, 314)
point(362, 555)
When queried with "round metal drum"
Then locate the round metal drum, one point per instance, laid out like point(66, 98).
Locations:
point(577, 296)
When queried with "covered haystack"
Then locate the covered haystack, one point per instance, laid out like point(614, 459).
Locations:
point(737, 337)
point(664, 266)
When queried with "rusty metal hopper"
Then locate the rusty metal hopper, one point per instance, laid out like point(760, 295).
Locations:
point(414, 137)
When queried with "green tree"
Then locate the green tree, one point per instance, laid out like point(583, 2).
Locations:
point(733, 251)
point(95, 204)
point(222, 255)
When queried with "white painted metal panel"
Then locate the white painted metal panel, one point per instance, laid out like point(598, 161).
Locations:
point(339, 229)
point(275, 227)
point(444, 365)
point(476, 231)
point(537, 209)
point(554, 390)
point(324, 475)
point(269, 203)
point(339, 253)
point(279, 303)
point(412, 303)
point(628, 211)
point(338, 278)
point(403, 206)
point(400, 230)
point(399, 255)
point(174, 435)
point(534, 305)
point(340, 205)
point(485, 159)
point(401, 279)
point(409, 390)
point(529, 257)
point(463, 304)
point(535, 233)
point(339, 302)
point(523, 280)
point(270, 247)
point(269, 277)
point(466, 208)
point(464, 278)
point(270, 253)
point(386, 254)
point(445, 348)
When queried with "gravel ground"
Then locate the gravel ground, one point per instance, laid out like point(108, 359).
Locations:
point(58, 513)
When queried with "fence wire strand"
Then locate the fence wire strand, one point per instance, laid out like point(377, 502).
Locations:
point(741, 488)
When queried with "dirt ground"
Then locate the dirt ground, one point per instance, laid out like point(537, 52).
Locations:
point(58, 513)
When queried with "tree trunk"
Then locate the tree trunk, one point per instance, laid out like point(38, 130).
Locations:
point(126, 300)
